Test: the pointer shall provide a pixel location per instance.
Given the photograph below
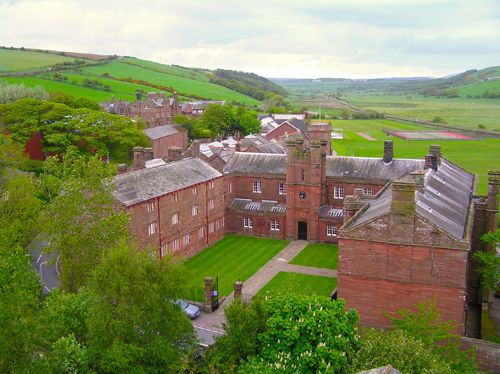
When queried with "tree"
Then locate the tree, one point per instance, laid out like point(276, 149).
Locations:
point(426, 325)
point(81, 221)
point(490, 263)
point(249, 123)
point(399, 349)
point(218, 118)
point(133, 323)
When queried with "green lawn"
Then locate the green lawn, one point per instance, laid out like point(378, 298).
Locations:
point(298, 284)
point(15, 60)
point(318, 255)
point(476, 156)
point(232, 258)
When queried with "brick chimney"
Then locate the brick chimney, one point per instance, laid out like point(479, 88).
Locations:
point(174, 153)
point(403, 198)
point(148, 154)
point(138, 162)
point(121, 169)
point(435, 150)
point(388, 151)
point(237, 147)
point(138, 95)
point(431, 162)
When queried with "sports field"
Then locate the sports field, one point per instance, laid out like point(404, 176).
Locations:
point(476, 156)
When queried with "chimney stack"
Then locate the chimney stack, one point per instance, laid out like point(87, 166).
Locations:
point(174, 153)
point(138, 161)
point(138, 95)
point(403, 198)
point(388, 151)
point(148, 154)
point(435, 150)
point(121, 168)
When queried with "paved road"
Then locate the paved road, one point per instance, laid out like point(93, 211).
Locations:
point(206, 336)
point(46, 265)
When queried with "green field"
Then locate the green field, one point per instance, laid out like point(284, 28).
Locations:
point(476, 156)
point(318, 255)
point(232, 258)
point(168, 69)
point(477, 89)
point(458, 112)
point(298, 284)
point(181, 84)
point(15, 60)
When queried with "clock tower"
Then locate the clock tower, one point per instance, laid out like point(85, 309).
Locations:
point(306, 182)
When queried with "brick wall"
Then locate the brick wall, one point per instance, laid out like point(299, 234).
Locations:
point(243, 188)
point(378, 276)
point(161, 145)
point(281, 132)
point(487, 353)
point(261, 224)
point(349, 189)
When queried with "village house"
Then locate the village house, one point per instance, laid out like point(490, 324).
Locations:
point(197, 108)
point(156, 109)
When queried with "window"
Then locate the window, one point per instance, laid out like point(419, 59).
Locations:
point(163, 249)
point(175, 219)
point(367, 191)
point(152, 228)
point(219, 223)
point(211, 185)
point(195, 191)
point(302, 175)
point(338, 192)
point(175, 245)
point(248, 222)
point(186, 239)
point(230, 187)
point(150, 207)
point(282, 188)
point(211, 204)
point(194, 210)
point(211, 227)
point(175, 197)
point(274, 225)
point(331, 230)
point(201, 232)
point(257, 186)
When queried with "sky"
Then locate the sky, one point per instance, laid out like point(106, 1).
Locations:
point(273, 38)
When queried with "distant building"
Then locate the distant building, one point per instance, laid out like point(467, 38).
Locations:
point(197, 108)
point(165, 137)
point(156, 109)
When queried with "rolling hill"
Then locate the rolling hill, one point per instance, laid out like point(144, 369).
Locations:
point(100, 77)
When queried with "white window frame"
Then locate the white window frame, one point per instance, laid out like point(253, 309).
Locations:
point(368, 191)
point(248, 222)
point(274, 225)
point(150, 206)
point(331, 230)
point(163, 250)
point(211, 227)
point(201, 232)
point(338, 192)
point(211, 204)
point(186, 239)
point(282, 188)
point(175, 218)
point(195, 191)
point(257, 186)
point(175, 197)
point(230, 187)
point(152, 228)
point(195, 210)
point(211, 185)
point(175, 245)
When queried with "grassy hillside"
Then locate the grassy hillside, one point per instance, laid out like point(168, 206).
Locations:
point(17, 60)
point(99, 79)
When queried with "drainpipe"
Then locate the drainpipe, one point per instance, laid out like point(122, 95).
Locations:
point(206, 209)
point(159, 224)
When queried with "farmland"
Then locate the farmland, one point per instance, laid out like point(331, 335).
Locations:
point(476, 156)
point(16, 60)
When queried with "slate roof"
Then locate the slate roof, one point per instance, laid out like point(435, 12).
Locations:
point(256, 163)
point(262, 144)
point(264, 206)
point(327, 211)
point(370, 168)
point(141, 185)
point(445, 200)
point(158, 132)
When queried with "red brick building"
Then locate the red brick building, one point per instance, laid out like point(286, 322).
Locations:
point(156, 109)
point(165, 137)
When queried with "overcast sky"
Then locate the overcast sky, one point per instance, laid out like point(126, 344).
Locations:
point(274, 38)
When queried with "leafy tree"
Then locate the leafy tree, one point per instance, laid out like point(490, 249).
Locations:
point(249, 123)
point(425, 324)
point(490, 263)
point(13, 92)
point(81, 221)
point(218, 118)
point(133, 325)
point(399, 349)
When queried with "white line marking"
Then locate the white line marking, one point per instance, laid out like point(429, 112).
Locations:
point(204, 328)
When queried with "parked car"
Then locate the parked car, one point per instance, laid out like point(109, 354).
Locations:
point(190, 310)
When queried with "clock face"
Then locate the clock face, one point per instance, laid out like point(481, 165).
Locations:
point(302, 195)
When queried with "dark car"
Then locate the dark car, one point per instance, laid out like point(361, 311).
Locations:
point(190, 310)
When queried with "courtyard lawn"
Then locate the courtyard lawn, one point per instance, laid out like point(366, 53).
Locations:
point(298, 284)
point(319, 256)
point(232, 258)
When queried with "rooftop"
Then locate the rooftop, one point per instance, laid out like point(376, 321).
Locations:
point(158, 132)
